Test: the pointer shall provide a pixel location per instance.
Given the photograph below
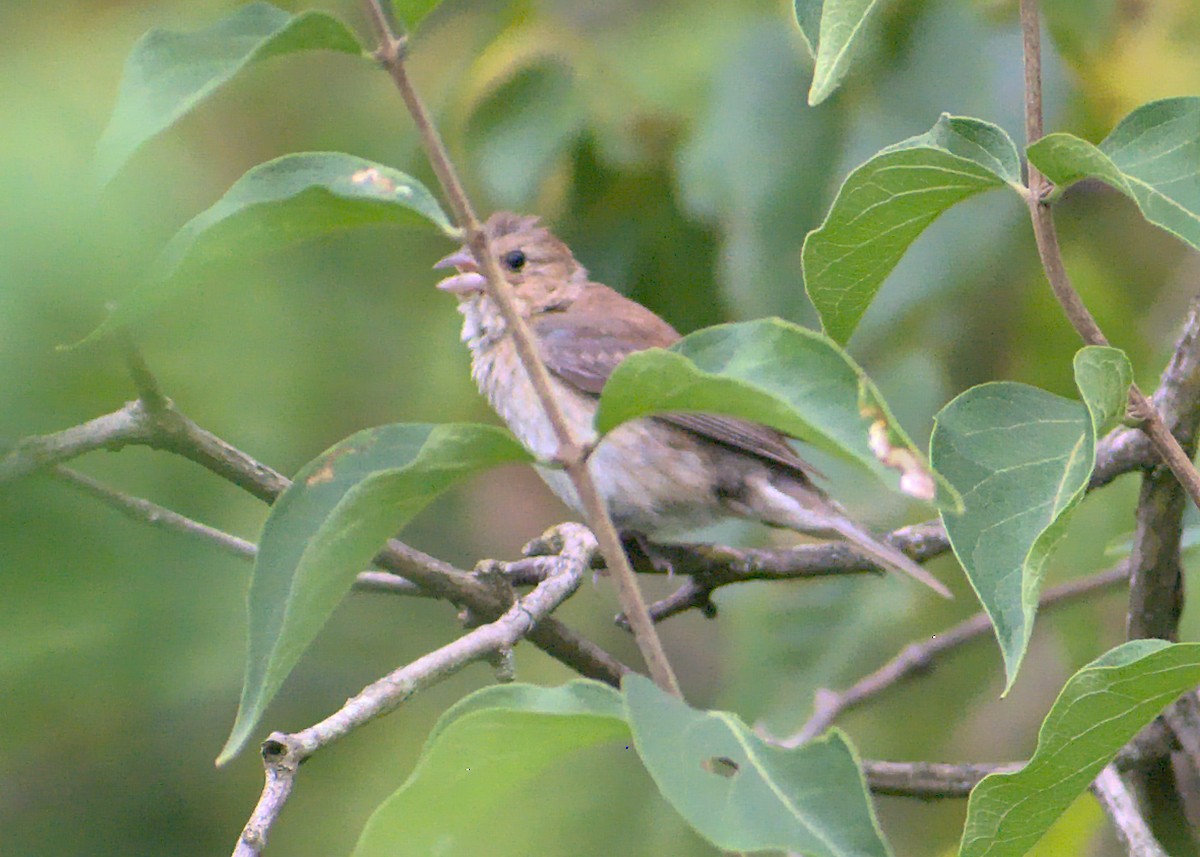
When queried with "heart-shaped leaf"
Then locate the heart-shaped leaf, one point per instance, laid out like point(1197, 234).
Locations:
point(887, 202)
point(1101, 707)
point(326, 527)
point(275, 205)
point(1152, 156)
point(743, 794)
point(1021, 459)
point(790, 378)
point(168, 74)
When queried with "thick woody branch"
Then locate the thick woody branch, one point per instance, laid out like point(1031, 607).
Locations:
point(283, 753)
point(1173, 453)
point(391, 55)
point(1156, 584)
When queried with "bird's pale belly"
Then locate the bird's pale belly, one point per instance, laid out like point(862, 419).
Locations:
point(655, 478)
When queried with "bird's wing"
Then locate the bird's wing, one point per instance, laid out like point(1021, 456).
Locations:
point(583, 346)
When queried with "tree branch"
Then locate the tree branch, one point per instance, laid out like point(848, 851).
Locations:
point(929, 780)
point(1173, 453)
point(918, 658)
point(571, 450)
point(1118, 801)
point(169, 430)
point(1156, 584)
point(283, 753)
point(158, 516)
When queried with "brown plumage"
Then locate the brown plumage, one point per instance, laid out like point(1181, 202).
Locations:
point(660, 474)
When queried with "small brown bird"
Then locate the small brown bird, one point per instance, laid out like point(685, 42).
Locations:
point(660, 474)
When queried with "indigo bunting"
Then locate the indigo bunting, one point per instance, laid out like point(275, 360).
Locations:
point(658, 474)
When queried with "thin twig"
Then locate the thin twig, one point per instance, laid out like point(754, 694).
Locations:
point(155, 515)
point(144, 381)
point(1118, 801)
point(918, 658)
point(1046, 237)
point(144, 511)
point(571, 450)
point(282, 753)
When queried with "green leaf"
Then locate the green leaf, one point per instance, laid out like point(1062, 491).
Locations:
point(743, 794)
point(339, 511)
point(523, 127)
point(773, 372)
point(1021, 458)
point(168, 74)
point(411, 13)
point(478, 756)
point(1101, 707)
point(887, 202)
point(842, 22)
point(808, 17)
point(277, 204)
point(1152, 156)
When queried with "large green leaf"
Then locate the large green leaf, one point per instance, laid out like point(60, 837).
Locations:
point(477, 758)
point(277, 204)
point(1152, 156)
point(887, 202)
point(774, 372)
point(1101, 707)
point(1021, 458)
point(727, 783)
point(324, 529)
point(168, 74)
point(743, 794)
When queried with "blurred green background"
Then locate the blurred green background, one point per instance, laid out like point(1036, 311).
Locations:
point(671, 146)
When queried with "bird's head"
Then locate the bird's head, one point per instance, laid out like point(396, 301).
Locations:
point(538, 266)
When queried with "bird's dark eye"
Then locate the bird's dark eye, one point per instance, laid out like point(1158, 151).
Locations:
point(514, 259)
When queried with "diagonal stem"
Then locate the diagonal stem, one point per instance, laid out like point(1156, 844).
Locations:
point(1060, 283)
point(571, 451)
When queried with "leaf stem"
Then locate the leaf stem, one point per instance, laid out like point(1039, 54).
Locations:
point(1046, 237)
point(571, 451)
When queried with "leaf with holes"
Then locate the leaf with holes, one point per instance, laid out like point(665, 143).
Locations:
point(324, 529)
point(885, 204)
point(169, 74)
point(743, 794)
point(1021, 459)
point(1099, 709)
point(1152, 156)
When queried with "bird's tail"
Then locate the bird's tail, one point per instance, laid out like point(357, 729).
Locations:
point(801, 506)
point(884, 554)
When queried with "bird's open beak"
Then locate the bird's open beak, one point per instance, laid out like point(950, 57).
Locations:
point(468, 280)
